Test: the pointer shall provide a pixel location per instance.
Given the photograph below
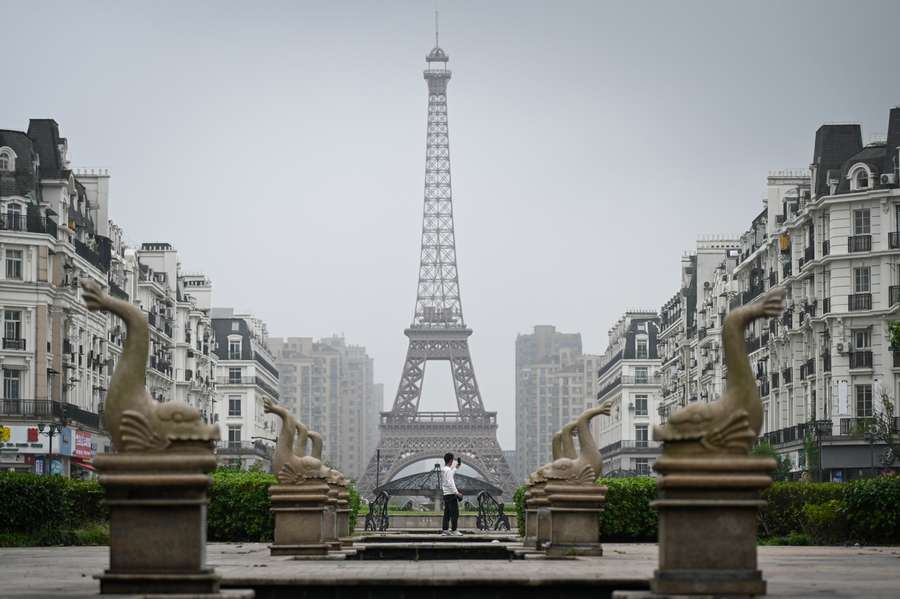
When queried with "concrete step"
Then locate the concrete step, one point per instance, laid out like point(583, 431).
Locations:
point(439, 550)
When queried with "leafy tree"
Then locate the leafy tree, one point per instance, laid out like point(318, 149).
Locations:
point(882, 426)
point(782, 464)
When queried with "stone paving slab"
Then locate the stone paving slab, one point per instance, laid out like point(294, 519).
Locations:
point(821, 572)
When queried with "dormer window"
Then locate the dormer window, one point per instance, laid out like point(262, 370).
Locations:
point(7, 160)
point(860, 177)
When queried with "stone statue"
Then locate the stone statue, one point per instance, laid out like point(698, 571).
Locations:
point(135, 421)
point(731, 424)
point(709, 486)
point(288, 467)
point(156, 479)
point(588, 465)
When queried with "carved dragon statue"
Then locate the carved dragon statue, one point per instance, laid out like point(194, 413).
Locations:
point(136, 422)
point(290, 468)
point(588, 465)
point(731, 424)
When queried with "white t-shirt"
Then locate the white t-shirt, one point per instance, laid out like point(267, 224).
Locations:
point(448, 485)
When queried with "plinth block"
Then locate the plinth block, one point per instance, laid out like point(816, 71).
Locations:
point(707, 524)
point(301, 519)
point(157, 510)
point(572, 519)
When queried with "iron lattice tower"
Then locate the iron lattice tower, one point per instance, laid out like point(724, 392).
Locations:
point(438, 331)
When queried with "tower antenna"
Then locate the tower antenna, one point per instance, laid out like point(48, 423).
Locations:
point(436, 44)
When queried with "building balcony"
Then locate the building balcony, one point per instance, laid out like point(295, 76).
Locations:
point(235, 380)
point(654, 379)
point(809, 253)
point(92, 257)
point(609, 387)
point(808, 369)
point(859, 301)
point(855, 426)
point(630, 445)
point(13, 343)
point(764, 388)
point(894, 240)
point(893, 295)
point(859, 243)
point(796, 433)
point(45, 409)
point(752, 344)
point(787, 319)
point(861, 358)
point(826, 247)
point(117, 292)
point(787, 375)
point(239, 448)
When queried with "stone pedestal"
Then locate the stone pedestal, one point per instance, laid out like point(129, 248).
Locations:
point(342, 521)
point(157, 508)
point(708, 509)
point(537, 503)
point(573, 518)
point(301, 521)
point(530, 520)
point(331, 530)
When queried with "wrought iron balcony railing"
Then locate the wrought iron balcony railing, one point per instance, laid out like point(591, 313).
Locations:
point(859, 243)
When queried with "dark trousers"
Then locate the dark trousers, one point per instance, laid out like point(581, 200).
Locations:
point(451, 512)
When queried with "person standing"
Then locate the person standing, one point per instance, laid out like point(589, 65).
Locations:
point(451, 496)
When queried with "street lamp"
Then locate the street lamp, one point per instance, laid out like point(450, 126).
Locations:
point(53, 429)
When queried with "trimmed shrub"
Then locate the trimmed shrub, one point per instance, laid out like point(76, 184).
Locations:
point(355, 503)
point(627, 515)
point(239, 506)
point(825, 523)
point(519, 505)
point(873, 510)
point(34, 503)
point(783, 512)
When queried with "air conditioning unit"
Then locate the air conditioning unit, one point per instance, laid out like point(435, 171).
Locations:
point(840, 347)
point(889, 179)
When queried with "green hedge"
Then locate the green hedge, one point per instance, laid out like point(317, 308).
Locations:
point(239, 506)
point(52, 510)
point(866, 511)
point(873, 510)
point(783, 513)
point(518, 499)
point(627, 515)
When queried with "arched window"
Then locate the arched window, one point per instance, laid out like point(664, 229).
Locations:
point(860, 177)
point(5, 160)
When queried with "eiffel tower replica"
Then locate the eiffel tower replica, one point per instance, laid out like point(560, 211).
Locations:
point(438, 332)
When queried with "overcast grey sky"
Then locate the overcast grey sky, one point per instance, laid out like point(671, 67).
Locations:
point(280, 146)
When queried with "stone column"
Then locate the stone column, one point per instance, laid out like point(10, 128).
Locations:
point(300, 520)
point(707, 524)
point(573, 518)
point(157, 505)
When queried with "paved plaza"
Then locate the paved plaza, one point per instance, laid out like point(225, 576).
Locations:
point(791, 571)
